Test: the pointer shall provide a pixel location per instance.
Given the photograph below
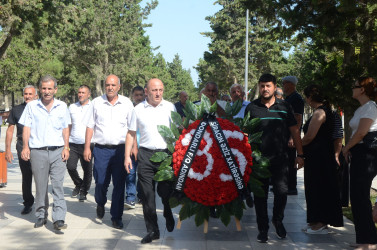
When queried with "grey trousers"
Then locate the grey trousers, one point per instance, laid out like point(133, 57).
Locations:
point(46, 163)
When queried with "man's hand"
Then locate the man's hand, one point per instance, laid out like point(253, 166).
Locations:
point(127, 164)
point(299, 162)
point(290, 143)
point(87, 154)
point(8, 156)
point(25, 154)
point(65, 154)
point(374, 213)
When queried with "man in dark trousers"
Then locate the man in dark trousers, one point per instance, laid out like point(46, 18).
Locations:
point(277, 124)
point(297, 103)
point(29, 93)
point(145, 118)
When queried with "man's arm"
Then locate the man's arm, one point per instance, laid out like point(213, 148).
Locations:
point(8, 142)
point(295, 133)
point(298, 118)
point(88, 138)
point(134, 150)
point(65, 152)
point(25, 154)
point(130, 138)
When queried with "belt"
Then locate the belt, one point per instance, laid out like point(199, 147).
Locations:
point(154, 150)
point(50, 148)
point(109, 146)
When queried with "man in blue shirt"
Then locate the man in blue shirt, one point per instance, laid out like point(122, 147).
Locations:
point(45, 144)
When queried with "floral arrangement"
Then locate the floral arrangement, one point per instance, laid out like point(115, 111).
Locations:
point(209, 183)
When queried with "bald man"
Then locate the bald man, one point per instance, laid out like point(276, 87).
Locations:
point(145, 118)
point(107, 121)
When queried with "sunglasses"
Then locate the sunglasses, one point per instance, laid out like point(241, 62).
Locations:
point(356, 87)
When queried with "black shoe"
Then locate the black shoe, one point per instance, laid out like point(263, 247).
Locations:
point(82, 197)
point(75, 191)
point(262, 237)
point(118, 224)
point(40, 222)
point(292, 192)
point(100, 211)
point(26, 210)
point(150, 236)
point(59, 224)
point(169, 220)
point(280, 229)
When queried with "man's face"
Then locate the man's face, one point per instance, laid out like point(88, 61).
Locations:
point(29, 94)
point(236, 93)
point(154, 92)
point(267, 90)
point(48, 90)
point(138, 96)
point(211, 92)
point(183, 97)
point(83, 95)
point(112, 86)
point(288, 87)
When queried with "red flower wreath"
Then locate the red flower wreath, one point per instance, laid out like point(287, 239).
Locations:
point(209, 181)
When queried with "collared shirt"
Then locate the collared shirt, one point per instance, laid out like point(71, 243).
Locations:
point(77, 112)
point(45, 127)
point(145, 118)
point(110, 122)
point(179, 107)
point(275, 123)
point(13, 119)
point(241, 114)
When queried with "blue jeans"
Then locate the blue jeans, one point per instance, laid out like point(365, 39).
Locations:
point(131, 182)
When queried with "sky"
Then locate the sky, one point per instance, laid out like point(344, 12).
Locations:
point(176, 27)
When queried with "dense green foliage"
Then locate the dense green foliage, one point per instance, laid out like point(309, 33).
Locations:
point(81, 42)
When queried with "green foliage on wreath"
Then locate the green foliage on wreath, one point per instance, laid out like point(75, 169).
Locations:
point(171, 135)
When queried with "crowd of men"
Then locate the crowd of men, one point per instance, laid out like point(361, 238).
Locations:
point(121, 136)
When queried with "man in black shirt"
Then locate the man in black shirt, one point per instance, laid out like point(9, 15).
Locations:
point(180, 105)
point(277, 124)
point(29, 94)
point(297, 103)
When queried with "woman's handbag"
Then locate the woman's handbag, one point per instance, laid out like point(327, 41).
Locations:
point(370, 140)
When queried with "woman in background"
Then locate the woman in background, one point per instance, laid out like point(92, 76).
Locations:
point(321, 188)
point(363, 162)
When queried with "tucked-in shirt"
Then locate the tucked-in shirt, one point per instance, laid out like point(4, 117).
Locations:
point(275, 124)
point(179, 107)
point(13, 119)
point(77, 112)
point(145, 118)
point(368, 110)
point(109, 122)
point(241, 114)
point(45, 127)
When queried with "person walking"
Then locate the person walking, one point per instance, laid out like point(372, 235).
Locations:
point(45, 143)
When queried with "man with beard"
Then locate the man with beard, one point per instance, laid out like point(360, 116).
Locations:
point(76, 143)
point(27, 176)
point(277, 124)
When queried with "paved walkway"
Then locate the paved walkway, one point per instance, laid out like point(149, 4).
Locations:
point(86, 232)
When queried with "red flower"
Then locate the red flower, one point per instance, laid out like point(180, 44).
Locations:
point(210, 184)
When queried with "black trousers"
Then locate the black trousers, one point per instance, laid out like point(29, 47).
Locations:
point(146, 171)
point(292, 171)
point(279, 176)
point(75, 154)
point(363, 170)
point(27, 180)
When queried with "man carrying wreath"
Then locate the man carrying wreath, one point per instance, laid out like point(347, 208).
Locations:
point(277, 124)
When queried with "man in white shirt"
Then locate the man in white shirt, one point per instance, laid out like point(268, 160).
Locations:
point(76, 143)
point(107, 121)
point(45, 144)
point(237, 93)
point(145, 118)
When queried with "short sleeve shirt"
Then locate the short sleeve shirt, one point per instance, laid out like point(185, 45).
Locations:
point(296, 102)
point(369, 111)
point(14, 117)
point(275, 124)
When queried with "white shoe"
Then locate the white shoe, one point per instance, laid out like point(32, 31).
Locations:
point(321, 230)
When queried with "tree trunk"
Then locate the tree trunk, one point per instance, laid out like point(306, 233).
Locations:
point(6, 101)
point(99, 91)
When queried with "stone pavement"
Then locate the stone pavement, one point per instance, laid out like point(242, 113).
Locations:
point(86, 232)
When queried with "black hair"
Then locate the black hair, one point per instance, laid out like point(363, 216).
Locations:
point(137, 88)
point(267, 78)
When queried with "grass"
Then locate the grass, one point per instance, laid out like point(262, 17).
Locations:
point(347, 212)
